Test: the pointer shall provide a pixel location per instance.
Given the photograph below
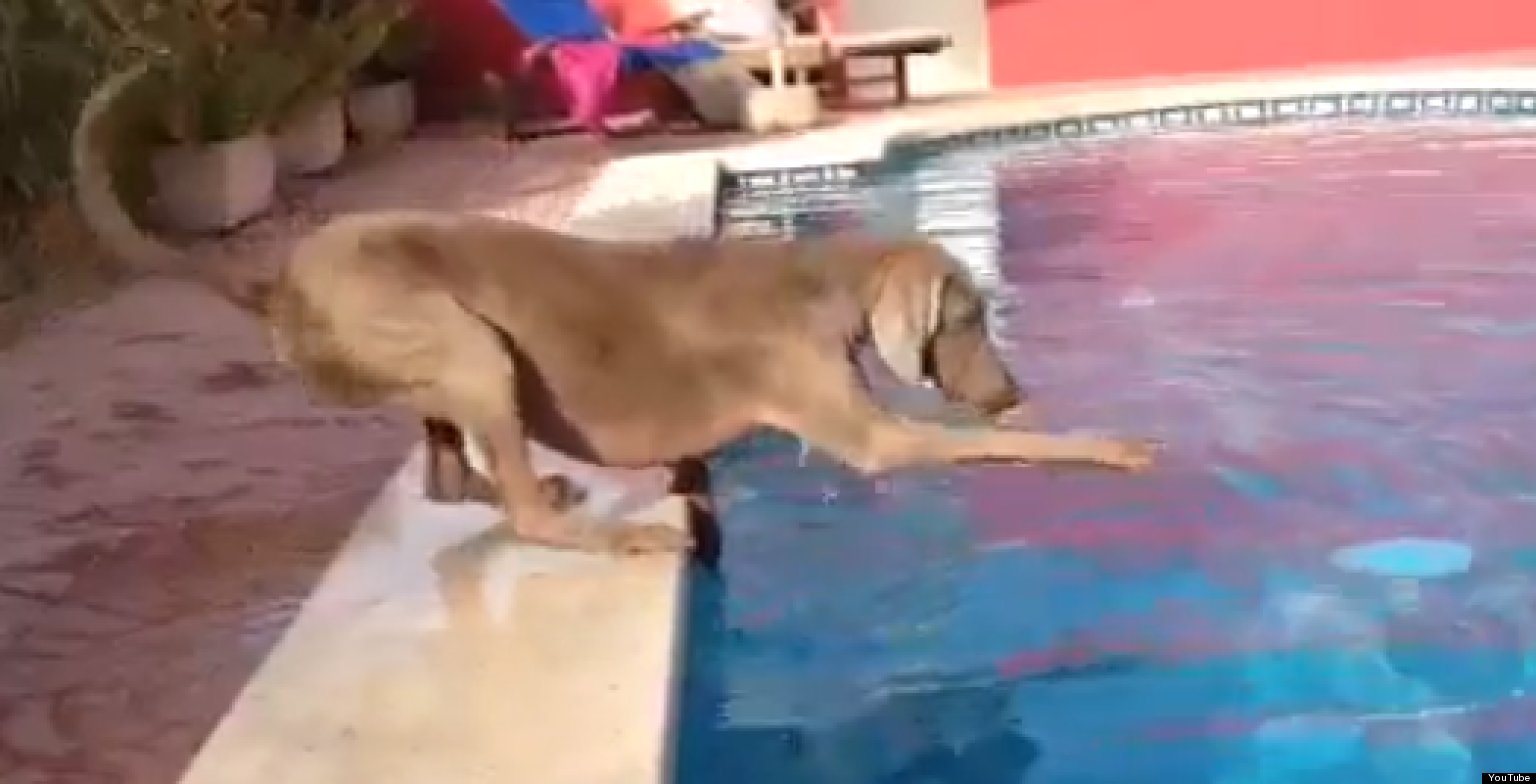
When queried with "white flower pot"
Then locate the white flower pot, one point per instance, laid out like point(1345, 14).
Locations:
point(382, 112)
point(212, 187)
point(312, 140)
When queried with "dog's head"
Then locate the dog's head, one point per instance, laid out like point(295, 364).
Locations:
point(928, 322)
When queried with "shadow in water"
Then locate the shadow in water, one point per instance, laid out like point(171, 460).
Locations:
point(932, 728)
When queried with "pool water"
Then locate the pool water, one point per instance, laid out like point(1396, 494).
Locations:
point(1330, 577)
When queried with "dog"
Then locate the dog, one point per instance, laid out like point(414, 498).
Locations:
point(637, 355)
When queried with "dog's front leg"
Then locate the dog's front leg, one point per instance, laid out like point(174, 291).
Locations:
point(691, 480)
point(906, 444)
point(899, 444)
point(851, 427)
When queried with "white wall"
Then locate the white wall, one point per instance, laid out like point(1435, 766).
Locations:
point(963, 67)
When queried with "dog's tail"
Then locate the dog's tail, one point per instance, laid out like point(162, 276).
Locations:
point(97, 201)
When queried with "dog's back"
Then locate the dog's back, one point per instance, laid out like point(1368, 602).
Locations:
point(608, 335)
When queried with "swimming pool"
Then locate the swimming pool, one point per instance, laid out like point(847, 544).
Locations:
point(1332, 574)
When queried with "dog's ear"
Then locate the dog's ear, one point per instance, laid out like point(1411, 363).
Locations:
point(905, 313)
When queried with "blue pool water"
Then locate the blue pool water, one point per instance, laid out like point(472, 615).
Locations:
point(1330, 577)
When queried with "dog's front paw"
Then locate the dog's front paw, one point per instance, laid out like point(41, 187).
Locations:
point(560, 492)
point(1130, 454)
point(642, 538)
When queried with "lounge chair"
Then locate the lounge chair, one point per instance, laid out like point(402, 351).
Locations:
point(812, 50)
point(570, 41)
point(894, 46)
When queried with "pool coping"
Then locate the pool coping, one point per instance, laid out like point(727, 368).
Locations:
point(604, 691)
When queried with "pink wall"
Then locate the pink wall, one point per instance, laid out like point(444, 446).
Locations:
point(1051, 41)
point(1036, 42)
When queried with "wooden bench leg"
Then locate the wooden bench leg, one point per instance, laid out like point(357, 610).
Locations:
point(835, 85)
point(899, 73)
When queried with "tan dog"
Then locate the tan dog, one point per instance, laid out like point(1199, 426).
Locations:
point(641, 355)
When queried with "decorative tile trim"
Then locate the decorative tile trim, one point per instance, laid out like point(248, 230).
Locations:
point(1396, 104)
point(748, 198)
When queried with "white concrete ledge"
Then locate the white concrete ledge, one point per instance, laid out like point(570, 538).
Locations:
point(432, 652)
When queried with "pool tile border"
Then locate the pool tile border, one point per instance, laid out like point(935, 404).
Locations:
point(1385, 104)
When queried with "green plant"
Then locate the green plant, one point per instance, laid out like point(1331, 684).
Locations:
point(48, 64)
point(217, 72)
point(399, 55)
point(328, 41)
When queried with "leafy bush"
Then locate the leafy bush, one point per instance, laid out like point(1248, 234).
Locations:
point(216, 72)
point(227, 68)
point(48, 63)
point(399, 54)
point(327, 41)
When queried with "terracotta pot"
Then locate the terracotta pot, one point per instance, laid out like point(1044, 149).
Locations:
point(212, 187)
point(312, 140)
point(382, 112)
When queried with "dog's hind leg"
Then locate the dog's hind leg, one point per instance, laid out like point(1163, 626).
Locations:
point(534, 519)
point(473, 386)
point(451, 478)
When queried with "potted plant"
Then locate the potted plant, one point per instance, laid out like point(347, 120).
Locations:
point(213, 82)
point(328, 40)
point(382, 104)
